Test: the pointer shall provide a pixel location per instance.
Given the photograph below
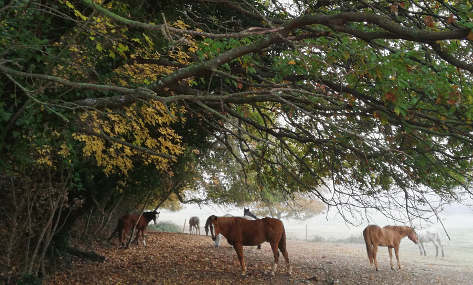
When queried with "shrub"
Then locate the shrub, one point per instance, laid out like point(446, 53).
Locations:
point(165, 227)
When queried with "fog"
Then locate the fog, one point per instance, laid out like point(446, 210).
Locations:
point(330, 225)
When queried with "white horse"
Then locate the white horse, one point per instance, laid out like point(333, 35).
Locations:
point(425, 237)
point(217, 239)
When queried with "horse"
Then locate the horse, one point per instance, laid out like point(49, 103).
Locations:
point(389, 236)
point(241, 232)
point(425, 237)
point(128, 221)
point(217, 240)
point(194, 224)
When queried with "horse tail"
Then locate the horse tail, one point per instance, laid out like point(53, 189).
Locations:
point(282, 241)
point(114, 231)
point(369, 248)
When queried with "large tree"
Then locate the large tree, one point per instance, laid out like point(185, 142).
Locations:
point(365, 104)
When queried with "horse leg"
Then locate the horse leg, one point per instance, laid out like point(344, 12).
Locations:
point(375, 251)
point(391, 257)
point(239, 251)
point(115, 231)
point(425, 252)
point(420, 248)
point(396, 251)
point(122, 237)
point(143, 237)
point(137, 236)
point(217, 241)
point(274, 247)
point(436, 249)
point(282, 248)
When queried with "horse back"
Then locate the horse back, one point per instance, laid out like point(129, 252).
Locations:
point(255, 232)
point(376, 235)
point(129, 220)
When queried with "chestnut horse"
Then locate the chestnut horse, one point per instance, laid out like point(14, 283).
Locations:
point(127, 222)
point(242, 232)
point(389, 236)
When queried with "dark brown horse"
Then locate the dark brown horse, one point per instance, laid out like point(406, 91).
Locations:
point(127, 222)
point(389, 236)
point(240, 232)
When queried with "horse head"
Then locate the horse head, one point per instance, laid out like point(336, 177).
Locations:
point(247, 212)
point(208, 224)
point(155, 216)
point(413, 236)
point(211, 223)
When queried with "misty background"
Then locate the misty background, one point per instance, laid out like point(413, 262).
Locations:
point(457, 219)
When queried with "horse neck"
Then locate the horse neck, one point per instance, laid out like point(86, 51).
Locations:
point(403, 231)
point(225, 224)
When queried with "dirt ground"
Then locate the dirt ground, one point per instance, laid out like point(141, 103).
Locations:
point(173, 258)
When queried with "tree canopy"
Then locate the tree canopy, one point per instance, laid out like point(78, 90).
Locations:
point(364, 104)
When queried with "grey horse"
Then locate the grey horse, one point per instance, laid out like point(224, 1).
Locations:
point(426, 237)
point(194, 225)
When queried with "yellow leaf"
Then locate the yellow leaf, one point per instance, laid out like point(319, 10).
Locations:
point(291, 62)
point(98, 46)
point(69, 4)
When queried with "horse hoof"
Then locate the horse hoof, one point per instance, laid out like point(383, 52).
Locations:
point(243, 273)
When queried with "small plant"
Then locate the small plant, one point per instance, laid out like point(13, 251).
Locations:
point(317, 239)
point(165, 227)
point(28, 279)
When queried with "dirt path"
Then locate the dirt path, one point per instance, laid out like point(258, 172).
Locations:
point(173, 258)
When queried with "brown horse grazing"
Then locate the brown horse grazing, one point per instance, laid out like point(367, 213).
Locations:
point(389, 236)
point(240, 232)
point(194, 225)
point(127, 222)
